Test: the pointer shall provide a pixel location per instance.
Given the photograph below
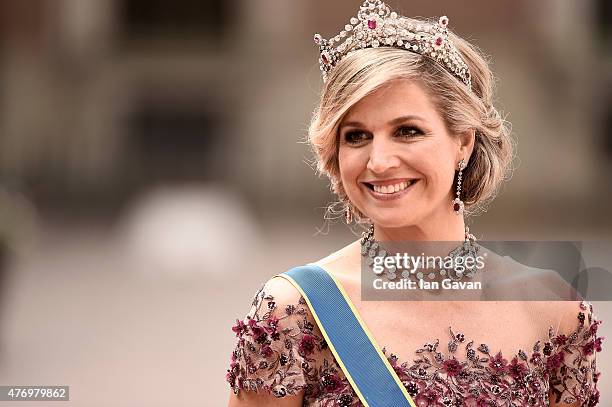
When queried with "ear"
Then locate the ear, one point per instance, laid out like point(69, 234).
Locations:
point(465, 142)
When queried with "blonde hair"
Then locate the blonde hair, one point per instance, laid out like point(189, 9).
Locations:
point(366, 70)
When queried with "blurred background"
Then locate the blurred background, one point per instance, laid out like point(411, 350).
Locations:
point(152, 174)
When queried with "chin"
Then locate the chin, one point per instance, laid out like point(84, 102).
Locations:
point(393, 220)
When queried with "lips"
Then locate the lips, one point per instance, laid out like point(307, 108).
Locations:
point(390, 189)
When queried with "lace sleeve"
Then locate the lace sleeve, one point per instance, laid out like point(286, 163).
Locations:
point(276, 340)
point(572, 365)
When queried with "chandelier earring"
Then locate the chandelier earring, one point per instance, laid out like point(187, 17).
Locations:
point(348, 214)
point(458, 205)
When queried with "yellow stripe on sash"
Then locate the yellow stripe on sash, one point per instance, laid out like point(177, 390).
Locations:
point(365, 330)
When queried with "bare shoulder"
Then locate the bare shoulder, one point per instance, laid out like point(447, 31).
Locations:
point(561, 315)
point(531, 283)
point(341, 261)
point(281, 291)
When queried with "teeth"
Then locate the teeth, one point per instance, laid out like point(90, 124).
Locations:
point(390, 189)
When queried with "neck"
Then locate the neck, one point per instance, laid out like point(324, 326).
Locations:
point(439, 227)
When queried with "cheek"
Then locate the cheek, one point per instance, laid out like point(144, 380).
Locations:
point(437, 167)
point(351, 165)
point(439, 180)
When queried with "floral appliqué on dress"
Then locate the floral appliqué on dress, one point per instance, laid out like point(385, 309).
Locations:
point(281, 351)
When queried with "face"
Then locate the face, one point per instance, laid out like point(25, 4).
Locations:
point(397, 159)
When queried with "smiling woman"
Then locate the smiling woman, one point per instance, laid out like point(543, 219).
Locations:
point(408, 135)
point(412, 100)
point(400, 160)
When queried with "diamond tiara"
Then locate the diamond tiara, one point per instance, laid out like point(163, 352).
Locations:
point(377, 26)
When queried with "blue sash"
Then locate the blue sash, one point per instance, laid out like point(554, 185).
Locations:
point(363, 363)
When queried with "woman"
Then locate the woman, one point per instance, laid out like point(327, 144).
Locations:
point(408, 135)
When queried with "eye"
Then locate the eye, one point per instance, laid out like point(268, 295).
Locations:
point(354, 137)
point(409, 131)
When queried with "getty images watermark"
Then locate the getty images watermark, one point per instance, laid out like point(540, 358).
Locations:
point(423, 272)
point(487, 270)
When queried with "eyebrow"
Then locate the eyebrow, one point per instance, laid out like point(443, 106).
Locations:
point(393, 122)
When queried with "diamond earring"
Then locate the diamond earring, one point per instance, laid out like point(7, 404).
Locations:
point(457, 202)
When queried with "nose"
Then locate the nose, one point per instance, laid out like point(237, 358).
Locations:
point(383, 155)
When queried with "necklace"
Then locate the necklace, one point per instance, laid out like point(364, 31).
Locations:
point(370, 249)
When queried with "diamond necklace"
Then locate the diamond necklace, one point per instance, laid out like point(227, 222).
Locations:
point(370, 249)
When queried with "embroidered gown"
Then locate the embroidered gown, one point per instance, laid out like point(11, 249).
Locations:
point(280, 351)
